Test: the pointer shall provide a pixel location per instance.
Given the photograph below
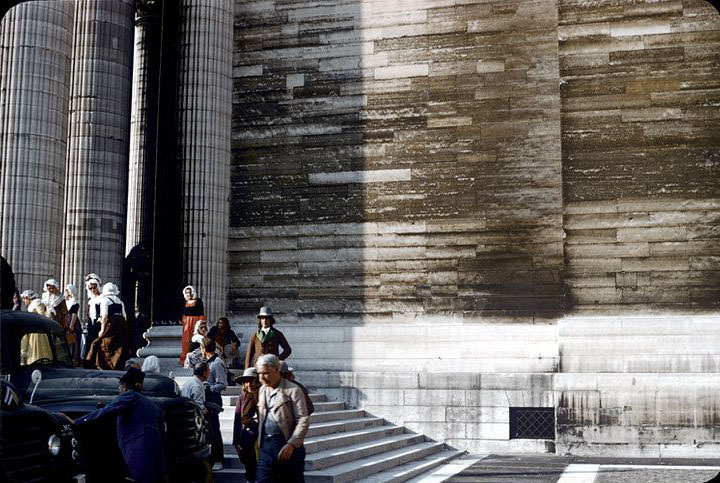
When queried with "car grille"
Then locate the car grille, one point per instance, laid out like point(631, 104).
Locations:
point(25, 456)
point(181, 430)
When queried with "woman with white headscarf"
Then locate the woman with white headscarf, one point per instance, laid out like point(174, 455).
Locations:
point(34, 346)
point(91, 328)
point(54, 302)
point(194, 311)
point(109, 350)
point(72, 322)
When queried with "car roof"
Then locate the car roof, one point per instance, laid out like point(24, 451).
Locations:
point(15, 321)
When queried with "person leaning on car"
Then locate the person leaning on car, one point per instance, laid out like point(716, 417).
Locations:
point(138, 429)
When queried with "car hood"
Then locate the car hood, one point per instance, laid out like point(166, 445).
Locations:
point(70, 383)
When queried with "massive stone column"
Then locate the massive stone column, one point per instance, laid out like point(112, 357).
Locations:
point(35, 50)
point(98, 140)
point(143, 118)
point(204, 119)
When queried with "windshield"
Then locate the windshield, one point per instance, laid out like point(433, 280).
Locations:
point(61, 351)
point(34, 347)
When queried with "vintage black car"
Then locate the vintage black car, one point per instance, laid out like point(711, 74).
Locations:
point(35, 444)
point(75, 392)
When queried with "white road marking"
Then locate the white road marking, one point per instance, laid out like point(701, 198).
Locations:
point(579, 474)
point(665, 467)
point(447, 470)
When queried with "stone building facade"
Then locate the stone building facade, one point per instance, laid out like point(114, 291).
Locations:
point(459, 209)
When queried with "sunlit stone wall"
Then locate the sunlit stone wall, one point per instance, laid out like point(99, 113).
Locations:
point(397, 160)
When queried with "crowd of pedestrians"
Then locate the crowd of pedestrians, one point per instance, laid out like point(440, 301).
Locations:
point(272, 413)
point(103, 339)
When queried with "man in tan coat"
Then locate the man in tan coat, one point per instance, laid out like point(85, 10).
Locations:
point(283, 424)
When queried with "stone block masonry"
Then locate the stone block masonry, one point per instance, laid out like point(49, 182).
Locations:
point(424, 139)
point(641, 172)
point(461, 106)
point(542, 159)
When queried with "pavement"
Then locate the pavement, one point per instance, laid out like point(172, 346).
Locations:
point(568, 469)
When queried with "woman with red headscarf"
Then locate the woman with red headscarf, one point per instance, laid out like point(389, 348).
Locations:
point(194, 311)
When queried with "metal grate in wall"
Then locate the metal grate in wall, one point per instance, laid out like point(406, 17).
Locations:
point(532, 423)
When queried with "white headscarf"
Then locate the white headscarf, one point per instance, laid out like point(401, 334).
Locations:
point(29, 294)
point(92, 281)
point(92, 278)
point(51, 300)
point(193, 292)
point(151, 365)
point(34, 302)
point(110, 295)
point(73, 292)
point(197, 336)
point(110, 289)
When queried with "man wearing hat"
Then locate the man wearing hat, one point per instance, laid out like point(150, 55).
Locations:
point(267, 339)
point(138, 428)
point(245, 426)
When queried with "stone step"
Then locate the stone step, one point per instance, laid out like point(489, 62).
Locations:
point(316, 417)
point(316, 399)
point(336, 415)
point(347, 438)
point(364, 467)
point(324, 407)
point(338, 456)
point(412, 469)
point(343, 425)
point(229, 475)
point(326, 442)
point(320, 429)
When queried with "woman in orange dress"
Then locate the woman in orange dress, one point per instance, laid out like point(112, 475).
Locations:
point(194, 311)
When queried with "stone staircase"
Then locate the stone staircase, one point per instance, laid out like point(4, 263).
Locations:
point(343, 445)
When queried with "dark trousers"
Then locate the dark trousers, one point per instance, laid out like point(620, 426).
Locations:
point(213, 417)
point(249, 459)
point(270, 470)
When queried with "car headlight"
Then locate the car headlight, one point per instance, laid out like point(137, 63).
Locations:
point(54, 445)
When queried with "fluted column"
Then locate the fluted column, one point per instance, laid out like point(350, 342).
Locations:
point(36, 44)
point(97, 164)
point(204, 118)
point(143, 117)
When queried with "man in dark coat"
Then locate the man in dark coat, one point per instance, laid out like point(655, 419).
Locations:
point(138, 429)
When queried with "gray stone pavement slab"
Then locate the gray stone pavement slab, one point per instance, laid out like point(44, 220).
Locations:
point(624, 474)
point(554, 469)
point(514, 468)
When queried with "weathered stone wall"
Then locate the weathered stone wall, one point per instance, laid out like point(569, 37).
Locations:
point(638, 385)
point(433, 162)
point(423, 137)
point(641, 153)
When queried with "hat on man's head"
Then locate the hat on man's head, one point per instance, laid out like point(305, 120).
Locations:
point(265, 312)
point(249, 374)
point(132, 376)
